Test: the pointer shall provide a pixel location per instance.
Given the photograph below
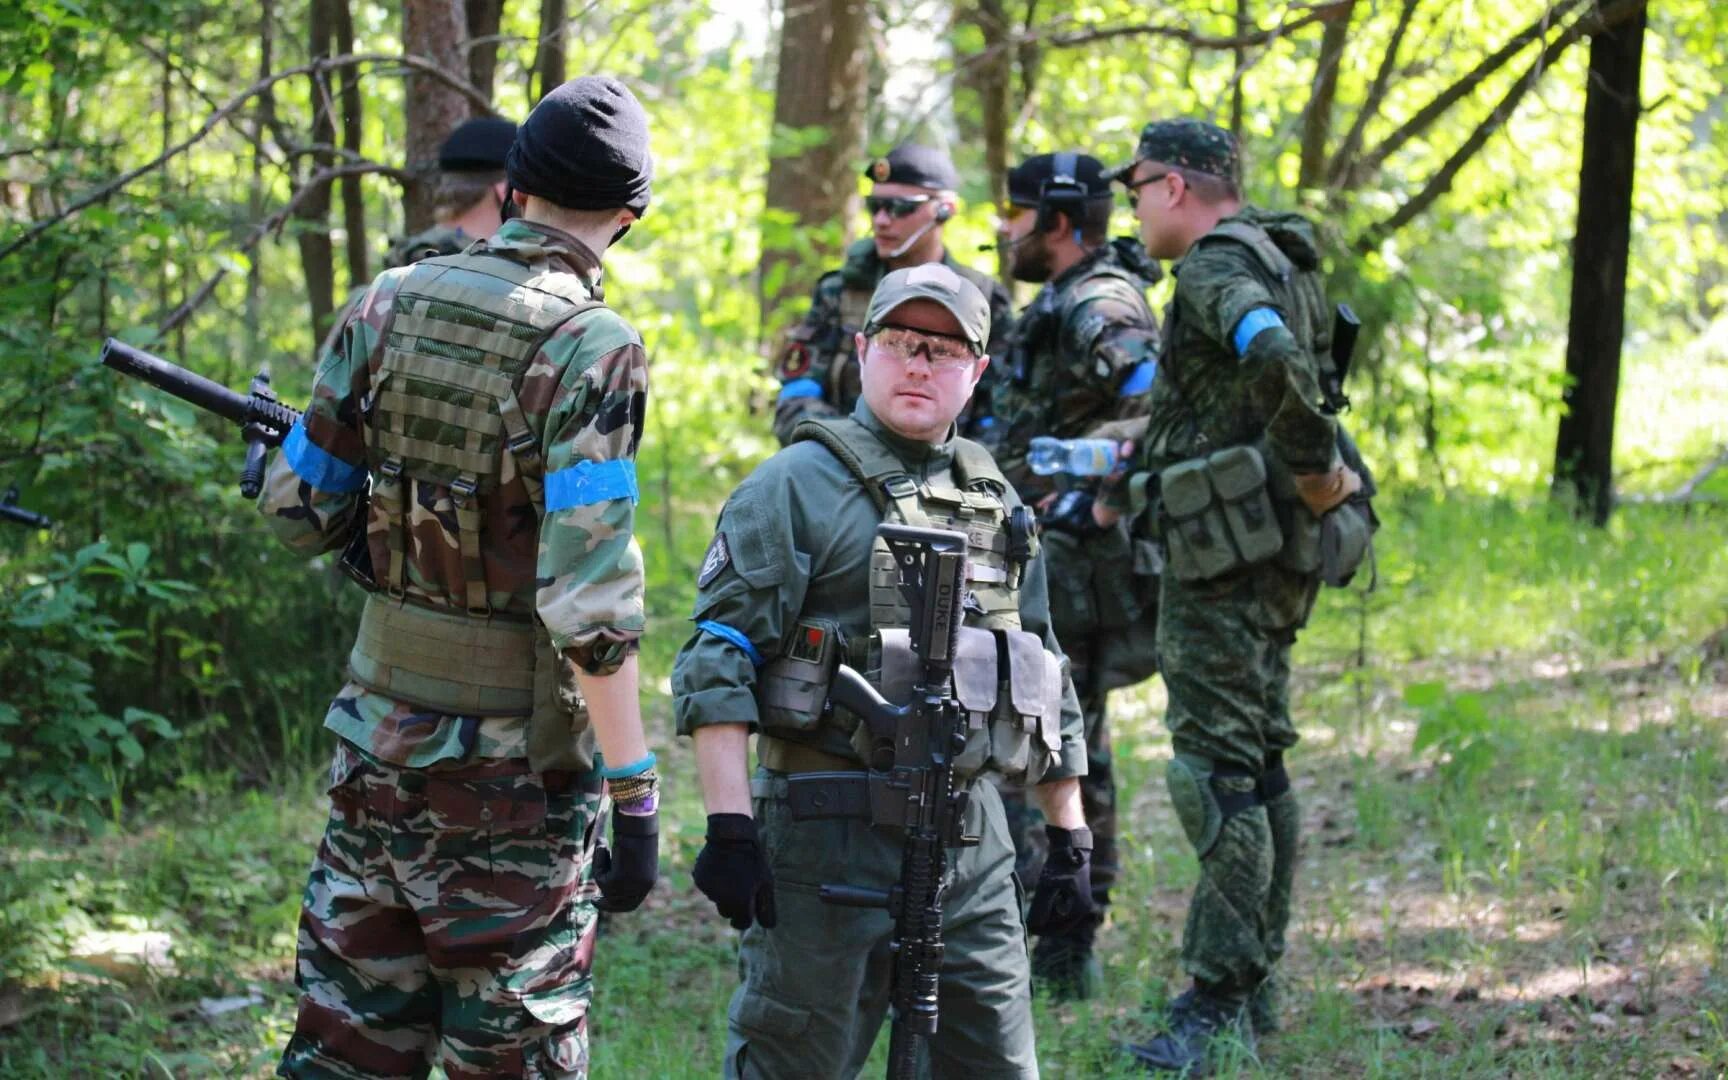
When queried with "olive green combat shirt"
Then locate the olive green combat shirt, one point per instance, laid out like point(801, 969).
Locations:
point(579, 570)
point(793, 542)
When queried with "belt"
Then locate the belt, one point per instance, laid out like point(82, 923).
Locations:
point(786, 756)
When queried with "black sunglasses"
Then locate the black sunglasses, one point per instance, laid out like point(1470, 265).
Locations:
point(897, 207)
point(1132, 186)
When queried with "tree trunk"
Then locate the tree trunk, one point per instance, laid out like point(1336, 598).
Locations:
point(255, 265)
point(312, 229)
point(549, 57)
point(431, 29)
point(1244, 23)
point(1584, 448)
point(992, 79)
point(353, 198)
point(821, 83)
point(1317, 117)
point(484, 19)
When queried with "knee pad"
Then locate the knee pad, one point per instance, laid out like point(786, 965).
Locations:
point(1189, 780)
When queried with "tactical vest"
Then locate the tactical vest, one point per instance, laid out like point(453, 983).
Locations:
point(1303, 291)
point(1014, 715)
point(443, 409)
point(1237, 506)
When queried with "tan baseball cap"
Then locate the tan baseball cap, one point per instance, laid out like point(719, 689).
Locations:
point(937, 283)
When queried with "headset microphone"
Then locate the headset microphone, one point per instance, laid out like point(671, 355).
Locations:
point(915, 237)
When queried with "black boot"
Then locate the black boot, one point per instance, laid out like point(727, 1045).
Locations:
point(1195, 1021)
point(1063, 965)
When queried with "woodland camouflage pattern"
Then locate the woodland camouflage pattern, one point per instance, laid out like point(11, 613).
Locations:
point(580, 572)
point(449, 916)
point(821, 347)
point(1069, 355)
point(1068, 368)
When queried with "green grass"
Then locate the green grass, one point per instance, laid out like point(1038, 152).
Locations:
point(1519, 867)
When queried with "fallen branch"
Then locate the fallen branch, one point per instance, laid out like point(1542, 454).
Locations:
point(1687, 492)
point(228, 108)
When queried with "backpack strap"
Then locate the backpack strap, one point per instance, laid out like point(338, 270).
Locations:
point(1260, 243)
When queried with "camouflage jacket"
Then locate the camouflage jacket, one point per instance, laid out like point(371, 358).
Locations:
point(1226, 379)
point(818, 365)
point(1084, 352)
point(577, 569)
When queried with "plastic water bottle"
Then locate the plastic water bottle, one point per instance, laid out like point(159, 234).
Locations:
point(1076, 457)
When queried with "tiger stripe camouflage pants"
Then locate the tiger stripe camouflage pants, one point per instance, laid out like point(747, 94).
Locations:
point(449, 918)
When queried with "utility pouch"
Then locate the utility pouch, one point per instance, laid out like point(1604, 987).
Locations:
point(1027, 730)
point(559, 735)
point(1194, 527)
point(1238, 476)
point(791, 689)
point(1345, 534)
point(977, 687)
point(1301, 550)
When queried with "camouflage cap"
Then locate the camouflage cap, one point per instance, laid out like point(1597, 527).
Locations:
point(1189, 144)
point(938, 284)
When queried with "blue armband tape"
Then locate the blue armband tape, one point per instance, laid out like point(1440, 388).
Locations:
point(1140, 379)
point(588, 482)
point(984, 423)
point(619, 772)
point(798, 388)
point(318, 466)
point(727, 633)
point(1262, 318)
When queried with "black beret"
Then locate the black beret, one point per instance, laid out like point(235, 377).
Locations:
point(585, 147)
point(920, 166)
point(477, 145)
point(1065, 176)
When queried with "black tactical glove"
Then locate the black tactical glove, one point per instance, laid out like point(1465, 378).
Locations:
point(625, 879)
point(1063, 900)
point(1072, 513)
point(733, 872)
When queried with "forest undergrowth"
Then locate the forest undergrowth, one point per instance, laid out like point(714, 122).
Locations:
point(1514, 779)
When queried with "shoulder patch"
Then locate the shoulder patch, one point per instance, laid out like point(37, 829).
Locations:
point(719, 557)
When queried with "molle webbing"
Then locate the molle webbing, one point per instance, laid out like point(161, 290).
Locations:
point(457, 345)
point(980, 514)
point(445, 661)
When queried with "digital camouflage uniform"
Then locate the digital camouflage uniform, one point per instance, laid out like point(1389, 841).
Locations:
point(795, 553)
point(1233, 374)
point(818, 367)
point(1084, 352)
point(449, 916)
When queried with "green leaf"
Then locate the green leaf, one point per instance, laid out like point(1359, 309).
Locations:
point(1424, 695)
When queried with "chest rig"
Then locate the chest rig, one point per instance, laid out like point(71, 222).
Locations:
point(1009, 684)
point(442, 416)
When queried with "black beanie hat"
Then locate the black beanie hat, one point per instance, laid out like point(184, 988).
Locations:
point(479, 144)
point(585, 147)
